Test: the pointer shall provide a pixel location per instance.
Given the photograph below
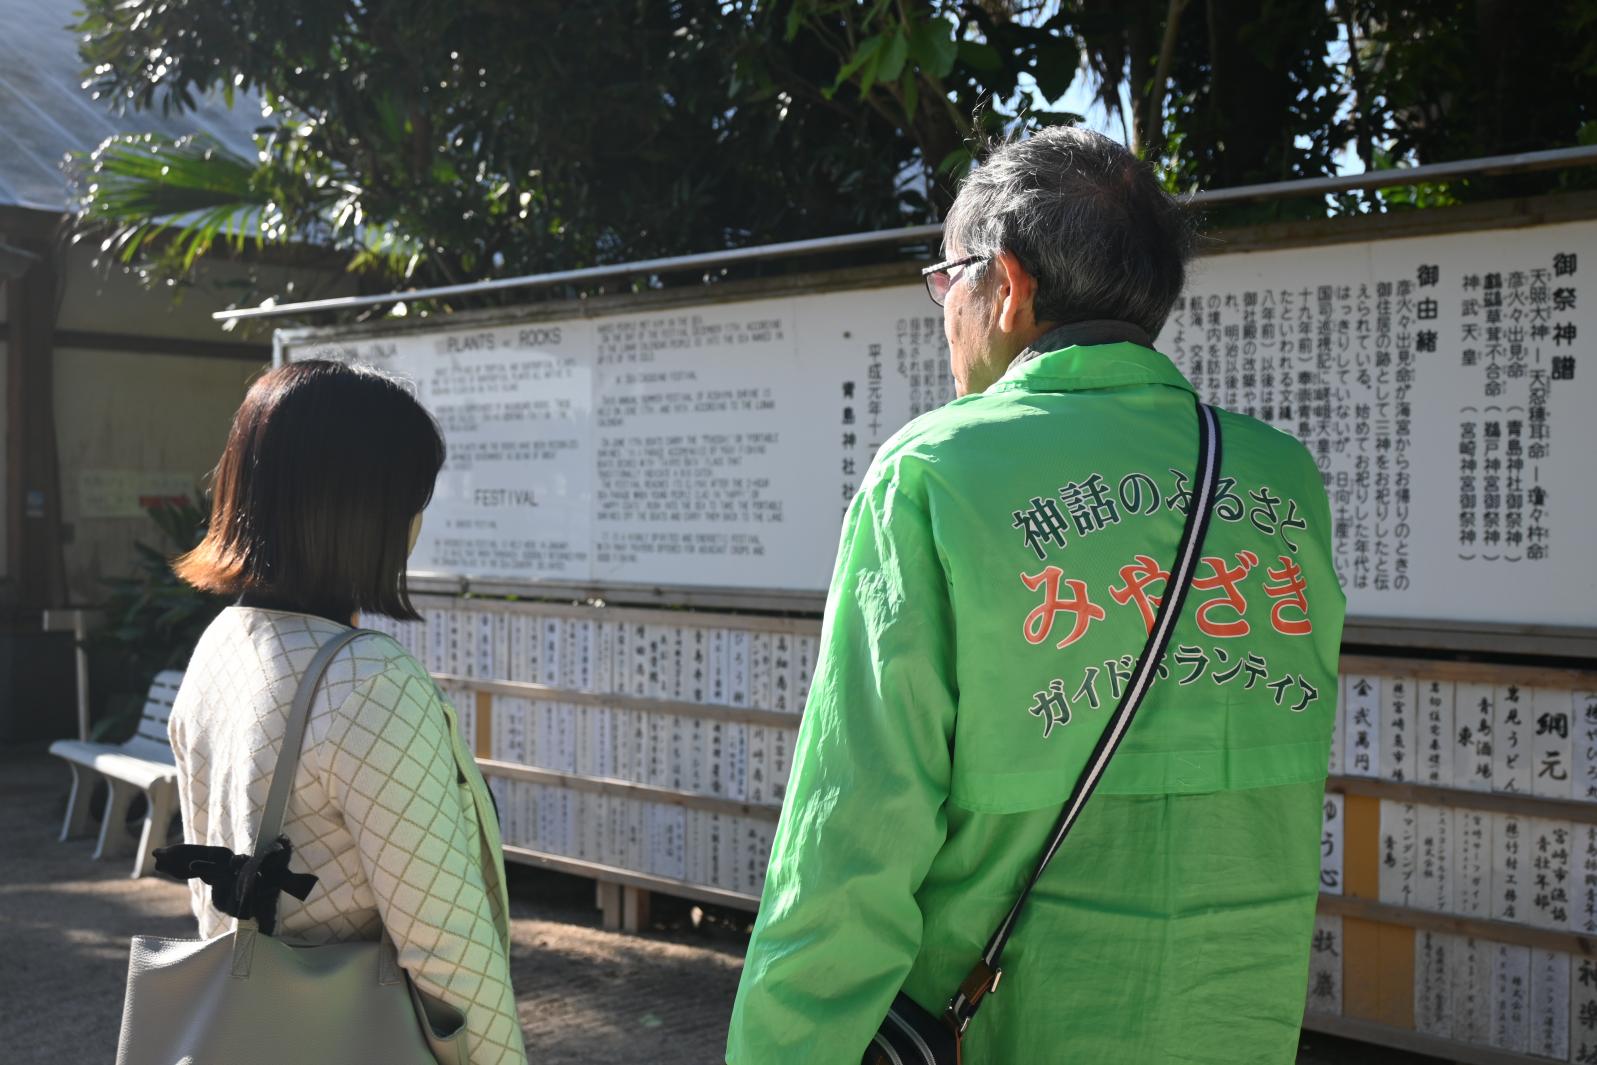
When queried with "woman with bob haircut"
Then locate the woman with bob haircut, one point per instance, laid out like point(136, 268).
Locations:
point(316, 506)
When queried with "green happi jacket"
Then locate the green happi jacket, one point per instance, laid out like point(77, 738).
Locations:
point(996, 574)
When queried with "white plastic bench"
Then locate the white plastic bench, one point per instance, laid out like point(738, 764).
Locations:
point(142, 764)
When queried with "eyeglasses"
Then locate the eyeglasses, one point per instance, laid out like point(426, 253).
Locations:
point(940, 278)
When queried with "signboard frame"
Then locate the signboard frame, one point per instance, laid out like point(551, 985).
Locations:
point(1364, 632)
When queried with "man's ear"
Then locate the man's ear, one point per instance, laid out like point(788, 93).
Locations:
point(1017, 294)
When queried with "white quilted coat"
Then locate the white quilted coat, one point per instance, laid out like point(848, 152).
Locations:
point(388, 809)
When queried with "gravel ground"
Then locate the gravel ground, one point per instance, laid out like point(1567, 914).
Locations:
point(585, 996)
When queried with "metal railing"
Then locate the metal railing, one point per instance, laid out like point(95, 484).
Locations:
point(1522, 162)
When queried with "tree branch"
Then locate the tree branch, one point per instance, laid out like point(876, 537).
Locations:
point(1153, 121)
point(1361, 122)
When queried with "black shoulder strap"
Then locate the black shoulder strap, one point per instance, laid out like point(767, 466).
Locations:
point(984, 975)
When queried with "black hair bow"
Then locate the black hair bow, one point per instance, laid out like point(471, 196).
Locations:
point(242, 885)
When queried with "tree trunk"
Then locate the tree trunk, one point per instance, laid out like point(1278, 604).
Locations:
point(1152, 139)
point(1140, 61)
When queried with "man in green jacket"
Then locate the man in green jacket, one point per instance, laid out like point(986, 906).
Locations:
point(999, 572)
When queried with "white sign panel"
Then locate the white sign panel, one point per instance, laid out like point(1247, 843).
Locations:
point(1439, 382)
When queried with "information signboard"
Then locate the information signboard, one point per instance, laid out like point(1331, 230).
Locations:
point(1441, 383)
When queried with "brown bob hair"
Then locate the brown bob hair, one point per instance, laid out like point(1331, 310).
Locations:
point(312, 501)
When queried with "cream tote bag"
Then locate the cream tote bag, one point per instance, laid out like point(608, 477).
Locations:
point(248, 998)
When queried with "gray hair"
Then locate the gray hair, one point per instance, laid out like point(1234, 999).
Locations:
point(1086, 218)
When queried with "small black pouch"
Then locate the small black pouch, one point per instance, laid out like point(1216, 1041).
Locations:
point(912, 1036)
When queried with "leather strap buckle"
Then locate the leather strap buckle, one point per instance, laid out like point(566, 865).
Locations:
point(981, 981)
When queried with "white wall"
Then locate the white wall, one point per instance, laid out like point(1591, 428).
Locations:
point(118, 302)
point(131, 418)
point(124, 416)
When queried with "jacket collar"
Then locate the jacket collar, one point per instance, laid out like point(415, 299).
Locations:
point(1085, 355)
point(1092, 331)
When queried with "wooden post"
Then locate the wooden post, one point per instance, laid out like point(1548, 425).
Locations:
point(609, 904)
point(34, 563)
point(77, 622)
point(634, 909)
point(485, 725)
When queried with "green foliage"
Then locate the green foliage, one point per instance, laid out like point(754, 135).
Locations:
point(1421, 195)
point(435, 143)
point(443, 143)
point(949, 77)
point(1245, 86)
point(152, 619)
point(146, 189)
point(1462, 77)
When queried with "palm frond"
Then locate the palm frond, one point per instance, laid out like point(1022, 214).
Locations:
point(140, 188)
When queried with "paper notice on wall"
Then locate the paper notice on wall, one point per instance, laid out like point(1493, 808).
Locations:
point(808, 650)
point(1584, 723)
point(735, 760)
point(584, 642)
point(466, 718)
point(697, 859)
point(1325, 966)
point(762, 652)
point(1398, 730)
point(1583, 879)
point(784, 677)
point(529, 649)
point(1554, 729)
point(696, 665)
point(435, 640)
point(1338, 759)
point(1512, 754)
point(1583, 1009)
point(667, 829)
point(1551, 847)
point(524, 642)
point(1472, 867)
point(1549, 1005)
point(759, 761)
point(740, 667)
point(676, 669)
point(730, 851)
point(718, 671)
point(782, 741)
point(764, 837)
point(566, 737)
point(714, 854)
point(551, 661)
point(604, 654)
point(696, 773)
point(1510, 997)
point(1363, 744)
point(1435, 701)
point(509, 740)
point(1434, 859)
point(1434, 969)
point(1331, 844)
point(1398, 852)
point(1473, 723)
point(122, 493)
point(495, 650)
point(1472, 991)
point(480, 643)
point(1510, 867)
